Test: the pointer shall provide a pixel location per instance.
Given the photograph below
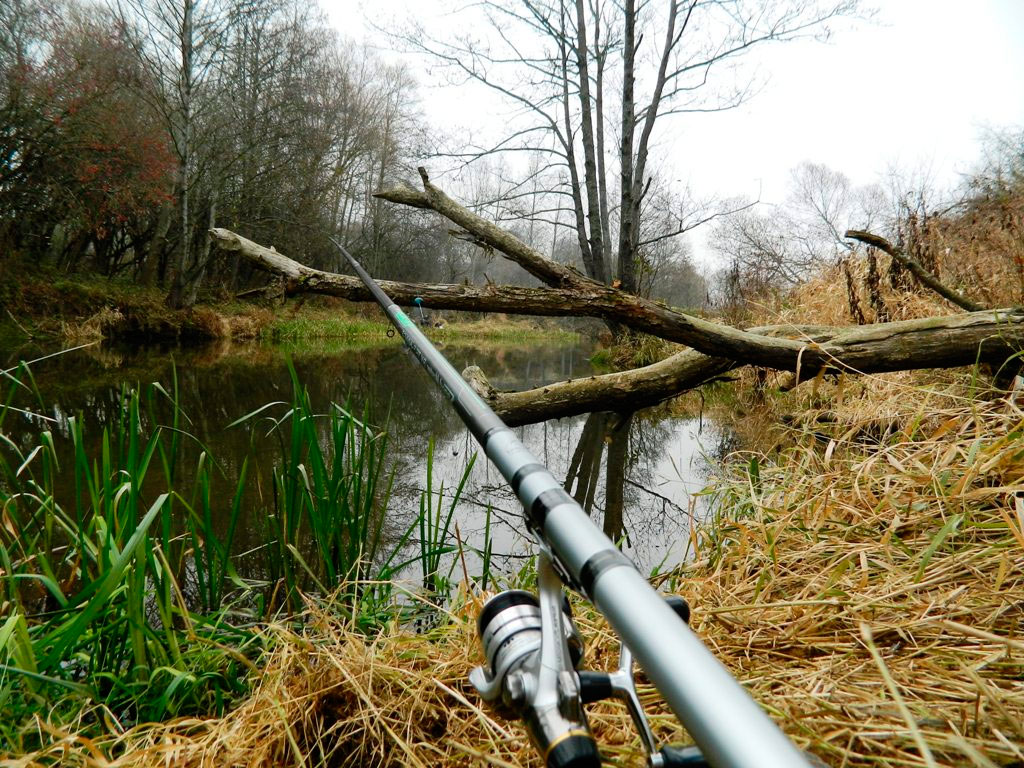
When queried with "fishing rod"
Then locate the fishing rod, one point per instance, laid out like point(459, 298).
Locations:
point(532, 648)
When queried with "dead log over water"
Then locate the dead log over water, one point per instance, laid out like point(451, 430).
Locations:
point(991, 336)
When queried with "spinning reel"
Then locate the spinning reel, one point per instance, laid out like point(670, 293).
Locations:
point(533, 653)
point(532, 647)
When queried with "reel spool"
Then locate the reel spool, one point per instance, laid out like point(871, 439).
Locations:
point(531, 671)
point(510, 627)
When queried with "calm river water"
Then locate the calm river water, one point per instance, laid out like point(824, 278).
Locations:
point(655, 463)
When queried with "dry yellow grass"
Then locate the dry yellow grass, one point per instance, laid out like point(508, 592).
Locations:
point(92, 327)
point(870, 590)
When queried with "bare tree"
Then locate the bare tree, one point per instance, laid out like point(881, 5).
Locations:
point(760, 255)
point(179, 42)
point(772, 248)
point(552, 60)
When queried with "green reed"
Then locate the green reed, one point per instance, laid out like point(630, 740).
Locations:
point(435, 527)
point(92, 613)
point(120, 594)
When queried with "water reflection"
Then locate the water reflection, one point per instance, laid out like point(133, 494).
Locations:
point(633, 473)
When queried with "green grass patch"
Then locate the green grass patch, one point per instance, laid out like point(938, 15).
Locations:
point(121, 587)
point(307, 324)
point(45, 303)
point(312, 323)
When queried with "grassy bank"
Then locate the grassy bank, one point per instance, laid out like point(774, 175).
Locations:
point(45, 304)
point(121, 600)
point(864, 573)
point(862, 578)
point(49, 305)
point(340, 322)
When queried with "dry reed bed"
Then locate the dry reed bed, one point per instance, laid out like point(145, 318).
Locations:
point(866, 585)
point(871, 588)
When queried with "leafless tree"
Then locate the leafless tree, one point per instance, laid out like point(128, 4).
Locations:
point(566, 66)
point(179, 42)
point(772, 248)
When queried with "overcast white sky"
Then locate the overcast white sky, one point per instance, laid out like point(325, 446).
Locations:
point(916, 88)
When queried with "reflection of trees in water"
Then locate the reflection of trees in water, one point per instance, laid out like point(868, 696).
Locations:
point(585, 465)
point(618, 456)
point(725, 442)
point(581, 480)
point(625, 451)
point(626, 446)
point(610, 462)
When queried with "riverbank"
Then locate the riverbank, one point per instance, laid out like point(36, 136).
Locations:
point(51, 306)
point(861, 576)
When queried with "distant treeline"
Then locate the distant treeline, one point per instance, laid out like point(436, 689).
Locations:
point(125, 130)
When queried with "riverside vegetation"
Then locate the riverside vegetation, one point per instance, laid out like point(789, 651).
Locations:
point(122, 603)
point(44, 304)
point(861, 575)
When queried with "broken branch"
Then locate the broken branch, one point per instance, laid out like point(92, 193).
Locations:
point(936, 342)
point(923, 276)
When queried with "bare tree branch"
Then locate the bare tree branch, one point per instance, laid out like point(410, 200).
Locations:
point(925, 277)
point(987, 336)
point(532, 261)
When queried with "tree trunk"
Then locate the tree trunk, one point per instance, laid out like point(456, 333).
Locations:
point(601, 57)
point(156, 247)
point(176, 297)
point(569, 145)
point(619, 391)
point(198, 272)
point(589, 152)
point(627, 223)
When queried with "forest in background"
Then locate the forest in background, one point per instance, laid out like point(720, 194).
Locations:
point(128, 129)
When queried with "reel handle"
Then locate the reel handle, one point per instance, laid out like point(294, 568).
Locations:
point(595, 686)
point(682, 757)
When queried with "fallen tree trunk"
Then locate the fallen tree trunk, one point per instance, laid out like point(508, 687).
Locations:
point(898, 347)
point(622, 391)
point(299, 279)
point(689, 369)
point(939, 342)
